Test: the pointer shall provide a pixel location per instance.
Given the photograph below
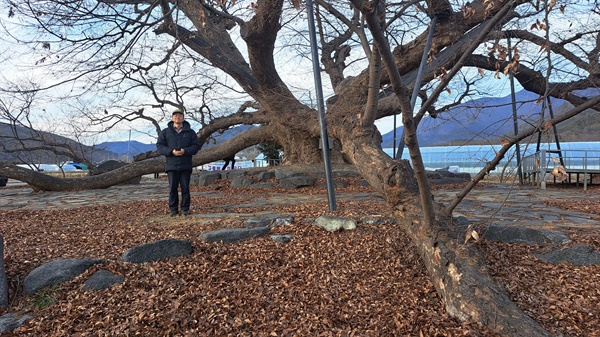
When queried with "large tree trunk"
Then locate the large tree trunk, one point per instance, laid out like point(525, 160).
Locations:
point(461, 279)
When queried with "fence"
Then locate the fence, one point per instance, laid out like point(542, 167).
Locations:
point(579, 163)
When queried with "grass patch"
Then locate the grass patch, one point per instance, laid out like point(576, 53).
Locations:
point(45, 297)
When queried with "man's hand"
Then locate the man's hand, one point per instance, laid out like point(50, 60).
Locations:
point(178, 152)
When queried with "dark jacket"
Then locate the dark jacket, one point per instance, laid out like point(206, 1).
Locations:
point(169, 139)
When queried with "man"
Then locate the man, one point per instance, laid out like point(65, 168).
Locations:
point(227, 160)
point(178, 143)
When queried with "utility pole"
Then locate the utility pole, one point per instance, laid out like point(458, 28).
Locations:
point(320, 105)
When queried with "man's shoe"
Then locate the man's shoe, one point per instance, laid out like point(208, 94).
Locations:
point(173, 213)
point(184, 213)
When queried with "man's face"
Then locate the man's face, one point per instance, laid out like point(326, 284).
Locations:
point(177, 118)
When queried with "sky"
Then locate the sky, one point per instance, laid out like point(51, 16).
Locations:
point(297, 74)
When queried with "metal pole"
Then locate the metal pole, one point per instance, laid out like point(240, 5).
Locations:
point(560, 156)
point(320, 105)
point(514, 114)
point(413, 98)
point(128, 142)
point(395, 134)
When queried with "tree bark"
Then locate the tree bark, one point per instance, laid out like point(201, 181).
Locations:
point(461, 278)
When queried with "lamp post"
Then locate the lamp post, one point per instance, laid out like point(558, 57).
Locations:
point(320, 105)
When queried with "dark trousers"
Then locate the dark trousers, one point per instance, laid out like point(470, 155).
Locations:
point(227, 160)
point(179, 179)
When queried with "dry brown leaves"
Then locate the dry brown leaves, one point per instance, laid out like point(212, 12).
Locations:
point(366, 282)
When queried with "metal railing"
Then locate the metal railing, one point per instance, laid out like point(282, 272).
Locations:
point(537, 166)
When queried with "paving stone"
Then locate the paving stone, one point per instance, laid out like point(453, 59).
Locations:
point(501, 204)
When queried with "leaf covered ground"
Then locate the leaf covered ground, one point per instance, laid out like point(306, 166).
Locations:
point(365, 282)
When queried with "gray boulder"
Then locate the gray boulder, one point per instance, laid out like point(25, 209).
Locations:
point(158, 250)
point(296, 182)
point(232, 235)
point(269, 220)
point(524, 235)
point(334, 223)
point(266, 185)
point(3, 280)
point(361, 182)
point(262, 176)
point(283, 174)
point(56, 272)
point(336, 184)
point(206, 178)
point(579, 255)
point(345, 174)
point(461, 221)
point(232, 174)
point(239, 182)
point(444, 176)
point(371, 220)
point(11, 321)
point(102, 279)
point(282, 238)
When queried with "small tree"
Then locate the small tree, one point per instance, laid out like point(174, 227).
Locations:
point(273, 152)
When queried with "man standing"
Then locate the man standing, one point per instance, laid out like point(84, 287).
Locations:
point(178, 143)
point(227, 160)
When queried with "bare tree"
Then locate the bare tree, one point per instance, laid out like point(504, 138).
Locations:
point(392, 37)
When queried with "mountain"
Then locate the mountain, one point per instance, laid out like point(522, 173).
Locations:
point(486, 120)
point(122, 148)
point(133, 148)
point(15, 137)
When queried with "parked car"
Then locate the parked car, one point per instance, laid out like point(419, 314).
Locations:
point(3, 181)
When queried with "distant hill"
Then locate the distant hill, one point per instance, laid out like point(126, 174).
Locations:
point(33, 139)
point(122, 148)
point(133, 148)
point(486, 120)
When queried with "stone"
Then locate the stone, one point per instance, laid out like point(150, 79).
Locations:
point(336, 184)
point(523, 235)
point(282, 238)
point(296, 182)
point(345, 174)
point(232, 174)
point(443, 176)
point(158, 250)
point(102, 279)
point(371, 220)
point(262, 176)
point(206, 178)
point(56, 272)
point(283, 174)
point(239, 182)
point(270, 220)
point(266, 185)
point(461, 221)
point(11, 321)
point(579, 255)
point(283, 221)
point(334, 223)
point(3, 280)
point(361, 182)
point(256, 172)
point(231, 235)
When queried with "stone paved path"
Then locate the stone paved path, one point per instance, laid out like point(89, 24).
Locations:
point(501, 204)
point(524, 206)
